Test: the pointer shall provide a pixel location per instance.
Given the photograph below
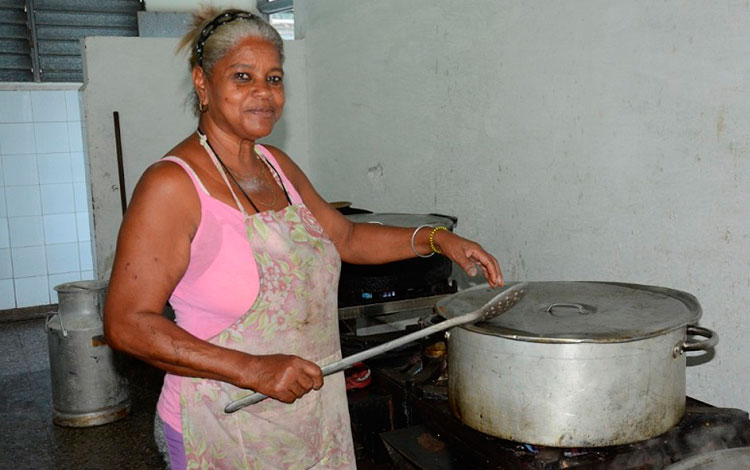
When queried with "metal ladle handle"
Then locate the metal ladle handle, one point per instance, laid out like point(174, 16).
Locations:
point(348, 361)
point(496, 306)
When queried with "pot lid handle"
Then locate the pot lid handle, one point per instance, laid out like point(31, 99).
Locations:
point(581, 309)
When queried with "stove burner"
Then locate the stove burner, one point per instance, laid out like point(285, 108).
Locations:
point(431, 437)
point(704, 428)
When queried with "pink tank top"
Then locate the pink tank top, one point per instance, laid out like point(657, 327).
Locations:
point(221, 281)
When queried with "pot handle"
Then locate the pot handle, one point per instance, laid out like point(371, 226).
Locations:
point(712, 338)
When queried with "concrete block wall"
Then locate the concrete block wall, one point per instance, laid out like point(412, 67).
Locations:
point(582, 140)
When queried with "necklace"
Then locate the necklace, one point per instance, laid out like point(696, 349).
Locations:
point(254, 180)
point(257, 183)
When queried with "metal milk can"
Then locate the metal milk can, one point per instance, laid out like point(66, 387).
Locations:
point(87, 388)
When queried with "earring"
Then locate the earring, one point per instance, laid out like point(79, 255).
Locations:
point(202, 107)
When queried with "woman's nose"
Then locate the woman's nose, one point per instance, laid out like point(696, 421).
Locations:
point(262, 88)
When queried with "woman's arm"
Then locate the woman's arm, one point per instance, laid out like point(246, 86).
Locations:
point(361, 243)
point(153, 251)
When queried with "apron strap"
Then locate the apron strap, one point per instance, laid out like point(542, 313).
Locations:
point(204, 143)
point(276, 175)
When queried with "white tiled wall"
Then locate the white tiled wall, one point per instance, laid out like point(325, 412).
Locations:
point(45, 216)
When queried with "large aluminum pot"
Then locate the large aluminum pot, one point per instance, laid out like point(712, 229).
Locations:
point(574, 364)
point(725, 459)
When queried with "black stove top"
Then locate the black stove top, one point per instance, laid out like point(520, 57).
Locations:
point(441, 441)
point(425, 434)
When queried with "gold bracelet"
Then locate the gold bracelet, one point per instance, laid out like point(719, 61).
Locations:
point(432, 238)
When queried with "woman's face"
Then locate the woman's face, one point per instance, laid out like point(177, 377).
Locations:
point(245, 92)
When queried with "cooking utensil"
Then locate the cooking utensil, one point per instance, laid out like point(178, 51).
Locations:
point(498, 304)
point(574, 364)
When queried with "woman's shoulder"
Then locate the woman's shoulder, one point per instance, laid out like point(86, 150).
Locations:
point(166, 179)
point(175, 166)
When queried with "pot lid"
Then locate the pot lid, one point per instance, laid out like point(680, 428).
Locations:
point(578, 312)
point(404, 220)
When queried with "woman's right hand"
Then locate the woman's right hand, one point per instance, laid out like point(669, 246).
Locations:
point(283, 377)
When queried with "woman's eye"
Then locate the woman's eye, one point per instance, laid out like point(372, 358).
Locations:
point(275, 79)
point(242, 76)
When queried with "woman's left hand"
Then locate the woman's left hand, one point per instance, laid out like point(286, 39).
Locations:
point(468, 254)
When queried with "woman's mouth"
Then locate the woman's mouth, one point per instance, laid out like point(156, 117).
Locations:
point(263, 112)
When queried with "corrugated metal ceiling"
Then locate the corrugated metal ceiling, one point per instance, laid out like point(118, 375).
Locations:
point(56, 27)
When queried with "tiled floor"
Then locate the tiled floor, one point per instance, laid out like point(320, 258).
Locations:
point(29, 439)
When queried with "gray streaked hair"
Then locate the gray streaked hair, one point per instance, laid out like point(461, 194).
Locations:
point(223, 38)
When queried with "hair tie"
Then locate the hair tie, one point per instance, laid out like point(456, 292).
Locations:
point(209, 29)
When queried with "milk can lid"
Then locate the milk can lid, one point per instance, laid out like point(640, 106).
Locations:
point(575, 312)
point(82, 286)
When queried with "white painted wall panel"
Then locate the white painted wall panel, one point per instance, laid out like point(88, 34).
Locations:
point(579, 140)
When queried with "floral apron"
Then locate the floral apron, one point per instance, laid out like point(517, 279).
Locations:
point(295, 313)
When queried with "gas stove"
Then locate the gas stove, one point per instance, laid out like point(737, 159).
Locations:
point(442, 438)
point(421, 432)
point(370, 289)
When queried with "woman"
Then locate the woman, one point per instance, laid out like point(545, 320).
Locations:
point(234, 235)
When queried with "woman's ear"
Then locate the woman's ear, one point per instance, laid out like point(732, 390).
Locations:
point(199, 83)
